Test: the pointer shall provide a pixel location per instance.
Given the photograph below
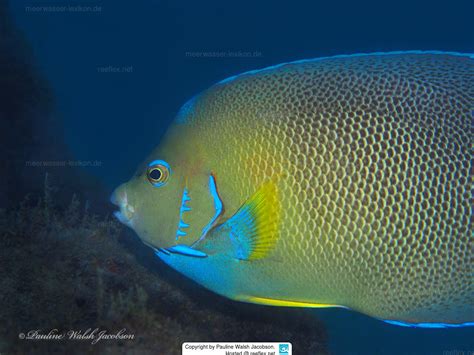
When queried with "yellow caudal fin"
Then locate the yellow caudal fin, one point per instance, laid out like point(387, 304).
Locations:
point(286, 303)
point(254, 227)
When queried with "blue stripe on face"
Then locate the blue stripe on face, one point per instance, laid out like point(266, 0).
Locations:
point(180, 233)
point(182, 225)
point(217, 205)
point(182, 209)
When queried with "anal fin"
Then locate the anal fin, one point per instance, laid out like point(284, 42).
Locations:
point(287, 303)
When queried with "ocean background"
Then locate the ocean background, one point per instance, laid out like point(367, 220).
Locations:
point(118, 71)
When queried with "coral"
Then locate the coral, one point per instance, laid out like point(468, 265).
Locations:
point(65, 268)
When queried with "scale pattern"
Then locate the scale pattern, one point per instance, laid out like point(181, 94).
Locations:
point(373, 155)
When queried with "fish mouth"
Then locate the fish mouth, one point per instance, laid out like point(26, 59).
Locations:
point(218, 211)
point(126, 212)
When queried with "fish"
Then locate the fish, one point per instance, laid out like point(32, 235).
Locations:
point(341, 181)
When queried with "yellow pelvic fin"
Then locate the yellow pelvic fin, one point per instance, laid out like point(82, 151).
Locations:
point(254, 227)
point(285, 303)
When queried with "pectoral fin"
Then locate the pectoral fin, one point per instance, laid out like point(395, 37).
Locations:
point(253, 228)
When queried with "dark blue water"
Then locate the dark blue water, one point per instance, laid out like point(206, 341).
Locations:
point(121, 69)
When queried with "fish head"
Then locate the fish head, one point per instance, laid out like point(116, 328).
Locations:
point(170, 201)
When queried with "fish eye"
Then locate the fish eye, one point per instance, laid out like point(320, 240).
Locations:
point(155, 174)
point(158, 172)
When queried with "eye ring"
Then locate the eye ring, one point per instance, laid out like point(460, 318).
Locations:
point(158, 172)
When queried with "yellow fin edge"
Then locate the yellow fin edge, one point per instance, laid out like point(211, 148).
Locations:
point(285, 303)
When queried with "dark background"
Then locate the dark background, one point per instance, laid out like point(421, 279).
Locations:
point(117, 118)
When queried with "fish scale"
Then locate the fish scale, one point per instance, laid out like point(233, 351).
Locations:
point(372, 155)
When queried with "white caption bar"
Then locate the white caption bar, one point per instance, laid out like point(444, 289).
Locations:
point(237, 349)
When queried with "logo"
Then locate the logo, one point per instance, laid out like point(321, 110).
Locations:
point(284, 349)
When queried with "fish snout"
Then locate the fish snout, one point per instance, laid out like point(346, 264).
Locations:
point(120, 198)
